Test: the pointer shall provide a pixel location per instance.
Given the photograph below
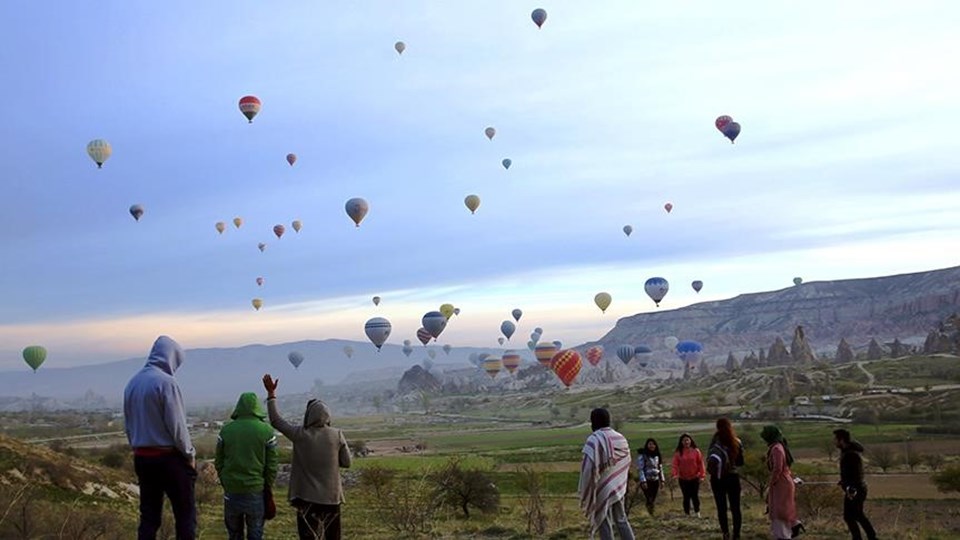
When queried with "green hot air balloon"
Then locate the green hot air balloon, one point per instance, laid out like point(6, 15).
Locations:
point(34, 355)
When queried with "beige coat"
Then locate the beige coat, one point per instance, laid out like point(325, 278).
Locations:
point(319, 451)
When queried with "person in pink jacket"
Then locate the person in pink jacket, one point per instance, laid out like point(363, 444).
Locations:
point(781, 501)
point(689, 472)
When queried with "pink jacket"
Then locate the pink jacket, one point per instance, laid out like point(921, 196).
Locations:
point(688, 465)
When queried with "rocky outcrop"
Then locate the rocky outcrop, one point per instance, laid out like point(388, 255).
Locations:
point(778, 355)
point(732, 364)
point(898, 350)
point(800, 351)
point(704, 369)
point(417, 379)
point(844, 352)
point(750, 361)
point(874, 351)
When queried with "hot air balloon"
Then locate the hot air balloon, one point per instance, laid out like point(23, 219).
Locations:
point(656, 288)
point(278, 230)
point(237, 222)
point(535, 336)
point(668, 207)
point(507, 328)
point(407, 342)
point(731, 131)
point(99, 151)
point(697, 285)
point(474, 358)
point(456, 311)
point(517, 313)
point(507, 163)
point(643, 353)
point(539, 17)
point(448, 310)
point(348, 350)
point(595, 355)
point(627, 229)
point(566, 364)
point(357, 208)
point(544, 353)
point(400, 47)
point(434, 322)
point(492, 365)
point(531, 345)
point(472, 202)
point(557, 344)
point(511, 361)
point(220, 226)
point(378, 330)
point(689, 351)
point(376, 300)
point(407, 350)
point(295, 358)
point(424, 336)
point(432, 353)
point(501, 340)
point(257, 303)
point(722, 121)
point(291, 159)
point(261, 246)
point(797, 280)
point(447, 348)
point(136, 211)
point(602, 300)
point(297, 225)
point(34, 355)
point(670, 342)
point(260, 281)
point(625, 353)
point(538, 331)
point(249, 106)
point(490, 132)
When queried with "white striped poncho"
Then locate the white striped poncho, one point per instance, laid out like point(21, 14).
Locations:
point(603, 474)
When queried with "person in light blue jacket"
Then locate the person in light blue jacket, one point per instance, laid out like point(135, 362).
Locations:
point(650, 469)
point(163, 455)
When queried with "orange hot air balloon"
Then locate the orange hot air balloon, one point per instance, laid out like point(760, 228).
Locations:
point(566, 364)
point(668, 207)
point(544, 353)
point(249, 106)
point(595, 355)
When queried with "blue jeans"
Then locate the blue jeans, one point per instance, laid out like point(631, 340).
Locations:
point(619, 517)
point(243, 509)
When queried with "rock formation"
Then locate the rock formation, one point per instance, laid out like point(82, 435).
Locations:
point(778, 355)
point(874, 351)
point(844, 352)
point(800, 351)
point(417, 379)
point(732, 364)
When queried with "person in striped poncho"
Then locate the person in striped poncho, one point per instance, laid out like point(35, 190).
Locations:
point(603, 478)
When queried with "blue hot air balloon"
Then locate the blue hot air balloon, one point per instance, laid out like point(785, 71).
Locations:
point(656, 288)
point(625, 353)
point(539, 17)
point(690, 351)
point(434, 322)
point(507, 163)
point(643, 354)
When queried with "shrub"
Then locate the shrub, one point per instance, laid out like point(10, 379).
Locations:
point(462, 488)
point(948, 480)
point(533, 483)
point(883, 457)
point(812, 500)
point(405, 505)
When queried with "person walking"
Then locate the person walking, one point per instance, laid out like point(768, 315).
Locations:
point(688, 471)
point(650, 468)
point(781, 501)
point(319, 452)
point(246, 463)
point(723, 457)
point(603, 478)
point(155, 422)
point(853, 485)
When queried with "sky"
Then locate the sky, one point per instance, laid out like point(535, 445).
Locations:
point(846, 167)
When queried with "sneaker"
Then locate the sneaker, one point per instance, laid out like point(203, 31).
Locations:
point(698, 515)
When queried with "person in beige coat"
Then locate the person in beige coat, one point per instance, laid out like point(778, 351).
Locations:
point(319, 451)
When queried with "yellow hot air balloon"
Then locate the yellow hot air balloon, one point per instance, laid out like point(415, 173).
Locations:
point(472, 202)
point(257, 303)
point(297, 225)
point(99, 151)
point(237, 222)
point(603, 301)
point(221, 226)
point(447, 310)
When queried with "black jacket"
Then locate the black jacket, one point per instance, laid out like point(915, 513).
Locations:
point(851, 466)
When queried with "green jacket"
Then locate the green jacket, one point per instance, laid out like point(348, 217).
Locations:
point(246, 458)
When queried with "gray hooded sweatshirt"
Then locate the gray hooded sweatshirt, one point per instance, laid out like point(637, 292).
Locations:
point(153, 409)
point(319, 451)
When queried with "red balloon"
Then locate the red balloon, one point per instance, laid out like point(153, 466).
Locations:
point(594, 355)
point(249, 106)
point(424, 336)
point(566, 364)
point(722, 121)
point(278, 230)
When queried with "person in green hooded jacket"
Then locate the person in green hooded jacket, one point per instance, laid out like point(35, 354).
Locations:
point(246, 464)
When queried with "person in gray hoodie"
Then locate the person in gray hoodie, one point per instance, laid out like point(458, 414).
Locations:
point(319, 452)
point(163, 455)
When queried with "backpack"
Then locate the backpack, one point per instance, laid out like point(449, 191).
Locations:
point(718, 461)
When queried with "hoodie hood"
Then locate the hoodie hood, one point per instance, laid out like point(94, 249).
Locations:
point(248, 406)
point(317, 414)
point(166, 355)
point(854, 446)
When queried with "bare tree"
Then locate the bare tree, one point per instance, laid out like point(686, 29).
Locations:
point(883, 457)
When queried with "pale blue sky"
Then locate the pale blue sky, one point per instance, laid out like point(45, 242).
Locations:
point(846, 167)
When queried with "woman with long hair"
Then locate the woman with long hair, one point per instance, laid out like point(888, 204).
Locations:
point(781, 503)
point(650, 467)
point(723, 458)
point(688, 470)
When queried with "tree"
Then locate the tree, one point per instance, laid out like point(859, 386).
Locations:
point(911, 458)
point(934, 461)
point(462, 488)
point(948, 480)
point(828, 447)
point(755, 474)
point(533, 483)
point(883, 457)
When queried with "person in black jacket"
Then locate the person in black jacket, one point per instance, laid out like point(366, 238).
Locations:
point(853, 485)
